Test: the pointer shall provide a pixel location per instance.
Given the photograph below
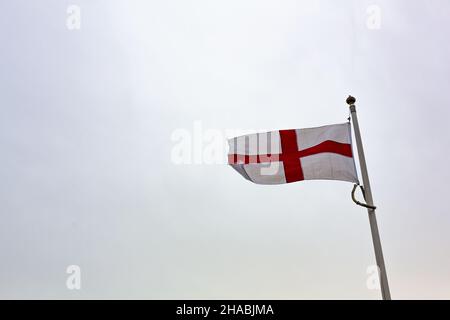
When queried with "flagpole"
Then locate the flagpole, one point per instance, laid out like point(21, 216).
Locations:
point(386, 295)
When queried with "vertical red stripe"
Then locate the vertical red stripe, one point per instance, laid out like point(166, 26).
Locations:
point(292, 166)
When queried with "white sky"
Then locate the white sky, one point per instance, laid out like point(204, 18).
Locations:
point(88, 179)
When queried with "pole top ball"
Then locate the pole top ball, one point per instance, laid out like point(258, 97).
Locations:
point(351, 100)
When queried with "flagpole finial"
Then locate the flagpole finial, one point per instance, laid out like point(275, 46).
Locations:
point(351, 100)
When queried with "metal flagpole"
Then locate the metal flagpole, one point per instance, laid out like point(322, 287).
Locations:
point(369, 200)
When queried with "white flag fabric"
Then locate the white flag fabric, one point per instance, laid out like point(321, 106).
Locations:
point(286, 156)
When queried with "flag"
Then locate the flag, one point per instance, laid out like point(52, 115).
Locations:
point(286, 156)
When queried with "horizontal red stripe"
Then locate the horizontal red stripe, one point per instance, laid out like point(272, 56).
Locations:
point(330, 146)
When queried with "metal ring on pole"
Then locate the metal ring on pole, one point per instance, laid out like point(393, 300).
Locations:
point(358, 202)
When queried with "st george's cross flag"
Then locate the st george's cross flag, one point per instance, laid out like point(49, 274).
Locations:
point(286, 156)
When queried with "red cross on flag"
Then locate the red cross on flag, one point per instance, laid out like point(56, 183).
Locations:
point(286, 156)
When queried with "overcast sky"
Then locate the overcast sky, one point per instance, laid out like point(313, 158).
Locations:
point(87, 127)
